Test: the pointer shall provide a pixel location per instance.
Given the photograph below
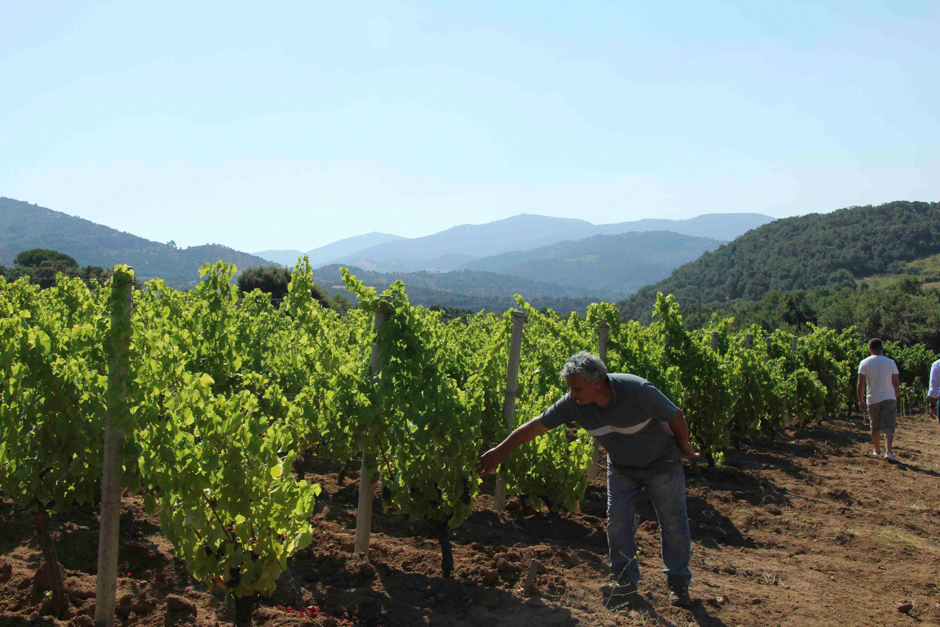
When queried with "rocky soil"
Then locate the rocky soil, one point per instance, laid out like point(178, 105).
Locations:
point(808, 529)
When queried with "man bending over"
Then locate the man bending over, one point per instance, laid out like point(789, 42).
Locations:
point(645, 436)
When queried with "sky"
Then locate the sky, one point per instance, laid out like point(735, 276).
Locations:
point(291, 125)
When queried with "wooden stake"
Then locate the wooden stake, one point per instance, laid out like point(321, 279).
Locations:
point(603, 336)
point(110, 518)
point(509, 401)
point(369, 476)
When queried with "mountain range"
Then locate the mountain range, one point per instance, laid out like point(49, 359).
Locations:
point(607, 264)
point(325, 255)
point(540, 257)
point(457, 248)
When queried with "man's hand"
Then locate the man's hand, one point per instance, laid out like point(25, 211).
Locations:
point(680, 431)
point(489, 461)
point(860, 392)
point(687, 450)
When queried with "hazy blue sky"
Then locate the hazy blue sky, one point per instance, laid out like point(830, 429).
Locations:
point(294, 124)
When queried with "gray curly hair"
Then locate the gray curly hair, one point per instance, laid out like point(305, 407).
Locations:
point(585, 365)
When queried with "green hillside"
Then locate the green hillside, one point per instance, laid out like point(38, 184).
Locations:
point(24, 226)
point(832, 250)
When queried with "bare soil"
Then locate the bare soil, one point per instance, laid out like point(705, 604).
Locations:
point(808, 529)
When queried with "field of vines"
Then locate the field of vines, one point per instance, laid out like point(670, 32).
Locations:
point(210, 398)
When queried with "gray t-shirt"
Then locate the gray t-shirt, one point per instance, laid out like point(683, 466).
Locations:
point(630, 429)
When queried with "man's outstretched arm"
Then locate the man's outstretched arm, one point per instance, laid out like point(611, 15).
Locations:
point(491, 459)
point(680, 431)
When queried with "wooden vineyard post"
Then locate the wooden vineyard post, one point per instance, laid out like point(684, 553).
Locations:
point(369, 476)
point(793, 348)
point(603, 335)
point(747, 341)
point(714, 340)
point(509, 401)
point(110, 518)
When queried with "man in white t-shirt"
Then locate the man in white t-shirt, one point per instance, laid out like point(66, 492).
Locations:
point(880, 375)
point(933, 391)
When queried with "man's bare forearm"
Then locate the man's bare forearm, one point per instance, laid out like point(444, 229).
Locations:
point(680, 431)
point(491, 459)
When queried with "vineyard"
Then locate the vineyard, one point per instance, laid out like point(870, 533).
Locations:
point(246, 441)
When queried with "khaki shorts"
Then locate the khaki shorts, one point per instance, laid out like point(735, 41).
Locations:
point(883, 415)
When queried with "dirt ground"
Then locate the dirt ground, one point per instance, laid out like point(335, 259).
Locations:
point(808, 529)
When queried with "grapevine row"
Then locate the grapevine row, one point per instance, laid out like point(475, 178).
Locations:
point(218, 393)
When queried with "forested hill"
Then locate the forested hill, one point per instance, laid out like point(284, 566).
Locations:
point(800, 253)
point(24, 226)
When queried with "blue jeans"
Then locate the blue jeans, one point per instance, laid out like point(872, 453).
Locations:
point(667, 492)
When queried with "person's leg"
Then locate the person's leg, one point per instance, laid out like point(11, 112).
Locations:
point(667, 492)
point(874, 415)
point(621, 505)
point(889, 422)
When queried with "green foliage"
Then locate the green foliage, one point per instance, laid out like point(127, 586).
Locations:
point(831, 361)
point(44, 257)
point(755, 389)
point(893, 314)
point(271, 280)
point(425, 419)
point(219, 392)
point(696, 379)
point(552, 468)
point(43, 266)
point(914, 367)
point(276, 281)
point(54, 372)
point(219, 428)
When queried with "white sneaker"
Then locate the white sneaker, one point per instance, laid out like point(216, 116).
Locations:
point(877, 454)
point(891, 457)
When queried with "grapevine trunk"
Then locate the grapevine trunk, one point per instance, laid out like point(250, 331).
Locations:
point(59, 601)
point(447, 554)
point(244, 608)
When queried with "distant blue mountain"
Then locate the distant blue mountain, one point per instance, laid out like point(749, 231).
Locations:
point(458, 246)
